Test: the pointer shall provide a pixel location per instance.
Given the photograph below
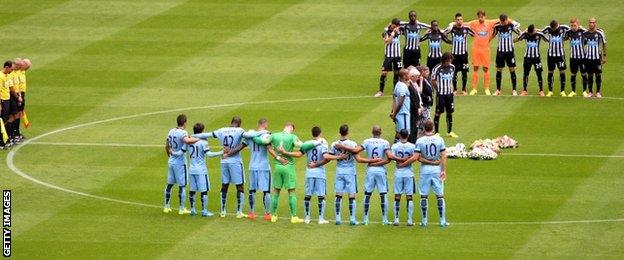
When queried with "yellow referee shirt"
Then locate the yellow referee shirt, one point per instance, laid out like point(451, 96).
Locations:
point(5, 84)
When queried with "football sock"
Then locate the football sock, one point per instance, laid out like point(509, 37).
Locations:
point(266, 199)
point(382, 82)
point(252, 200)
point(192, 199)
point(499, 77)
point(442, 209)
point(598, 81)
point(513, 80)
point(352, 209)
point(423, 207)
point(182, 196)
point(337, 205)
point(449, 122)
point(292, 201)
point(366, 204)
point(550, 81)
point(306, 206)
point(274, 199)
point(321, 205)
point(168, 194)
point(562, 80)
point(204, 200)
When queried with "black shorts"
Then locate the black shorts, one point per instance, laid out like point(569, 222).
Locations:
point(532, 62)
point(505, 57)
point(576, 65)
point(432, 62)
point(558, 62)
point(411, 58)
point(13, 106)
point(4, 114)
point(20, 107)
point(593, 66)
point(445, 103)
point(460, 62)
point(391, 63)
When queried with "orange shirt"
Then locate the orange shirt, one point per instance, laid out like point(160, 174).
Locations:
point(483, 33)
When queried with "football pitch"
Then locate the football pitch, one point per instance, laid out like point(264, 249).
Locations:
point(110, 77)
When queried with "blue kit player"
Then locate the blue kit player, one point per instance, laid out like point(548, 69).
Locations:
point(175, 146)
point(403, 177)
point(316, 178)
point(231, 164)
point(431, 152)
point(346, 176)
point(198, 172)
point(401, 104)
point(259, 171)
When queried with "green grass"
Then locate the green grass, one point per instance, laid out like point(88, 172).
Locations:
point(95, 60)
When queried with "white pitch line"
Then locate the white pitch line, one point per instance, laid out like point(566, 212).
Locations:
point(538, 96)
point(11, 164)
point(219, 147)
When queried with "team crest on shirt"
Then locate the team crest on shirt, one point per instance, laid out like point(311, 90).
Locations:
point(505, 35)
point(531, 44)
point(575, 42)
point(412, 35)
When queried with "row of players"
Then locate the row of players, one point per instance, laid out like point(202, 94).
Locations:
point(13, 98)
point(284, 147)
point(587, 51)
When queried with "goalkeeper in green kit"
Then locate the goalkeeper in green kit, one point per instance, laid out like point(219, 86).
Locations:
point(284, 166)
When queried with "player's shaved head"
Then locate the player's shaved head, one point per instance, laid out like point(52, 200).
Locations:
point(236, 121)
point(344, 130)
point(429, 125)
point(376, 131)
point(531, 28)
point(404, 74)
point(412, 16)
point(403, 134)
point(181, 119)
point(198, 128)
point(316, 131)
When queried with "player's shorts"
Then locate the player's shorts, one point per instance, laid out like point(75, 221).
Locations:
point(593, 66)
point(402, 121)
point(376, 179)
point(259, 180)
point(503, 58)
point(576, 65)
point(284, 177)
point(460, 62)
point(428, 181)
point(5, 110)
point(532, 62)
point(315, 186)
point(558, 62)
point(177, 174)
point(346, 181)
point(432, 62)
point(404, 185)
point(445, 103)
point(481, 57)
point(232, 173)
point(20, 107)
point(411, 57)
point(199, 182)
point(13, 106)
point(391, 63)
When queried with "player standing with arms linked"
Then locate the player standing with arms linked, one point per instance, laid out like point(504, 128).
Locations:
point(577, 55)
point(505, 52)
point(532, 57)
point(411, 53)
point(595, 43)
point(442, 80)
point(431, 152)
point(435, 37)
point(556, 54)
point(175, 147)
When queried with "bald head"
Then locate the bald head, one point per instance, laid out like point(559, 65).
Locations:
point(26, 64)
point(376, 131)
point(404, 74)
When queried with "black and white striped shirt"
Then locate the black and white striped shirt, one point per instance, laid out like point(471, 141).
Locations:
point(576, 43)
point(435, 43)
point(460, 39)
point(442, 75)
point(593, 41)
point(505, 37)
point(393, 49)
point(412, 36)
point(555, 46)
point(532, 49)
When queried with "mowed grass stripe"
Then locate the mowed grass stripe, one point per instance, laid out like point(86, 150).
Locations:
point(255, 20)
